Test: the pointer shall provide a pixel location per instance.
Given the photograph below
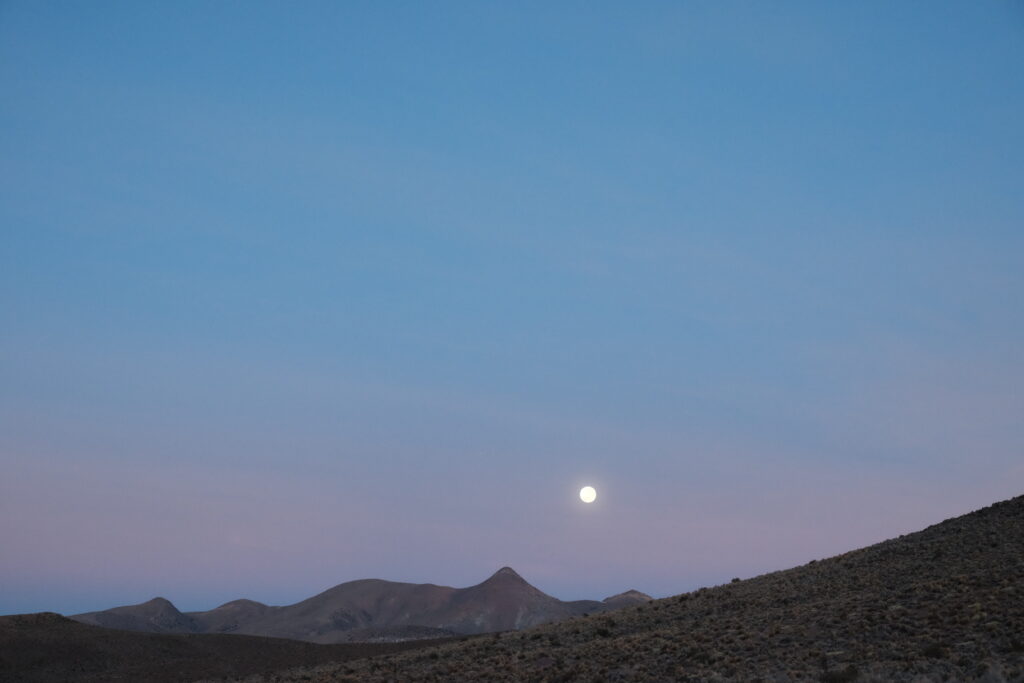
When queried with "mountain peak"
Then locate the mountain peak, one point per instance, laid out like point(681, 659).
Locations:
point(631, 596)
point(506, 573)
point(154, 606)
point(241, 603)
point(631, 593)
point(159, 602)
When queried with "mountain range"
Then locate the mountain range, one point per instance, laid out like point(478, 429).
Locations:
point(371, 610)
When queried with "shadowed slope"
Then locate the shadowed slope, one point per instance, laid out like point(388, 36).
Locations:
point(353, 605)
point(227, 617)
point(49, 647)
point(156, 616)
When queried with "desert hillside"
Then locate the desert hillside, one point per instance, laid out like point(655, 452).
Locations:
point(48, 647)
point(945, 603)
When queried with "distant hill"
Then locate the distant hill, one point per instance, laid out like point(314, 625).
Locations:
point(158, 615)
point(370, 609)
point(942, 604)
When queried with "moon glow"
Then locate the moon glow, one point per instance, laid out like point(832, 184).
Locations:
point(588, 494)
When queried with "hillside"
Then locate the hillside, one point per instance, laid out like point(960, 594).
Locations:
point(370, 609)
point(945, 603)
point(49, 647)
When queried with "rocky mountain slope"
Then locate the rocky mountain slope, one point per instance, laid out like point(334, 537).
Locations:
point(370, 609)
point(942, 604)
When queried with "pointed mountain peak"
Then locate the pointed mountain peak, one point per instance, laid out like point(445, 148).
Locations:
point(632, 594)
point(506, 574)
point(160, 603)
point(506, 581)
point(630, 597)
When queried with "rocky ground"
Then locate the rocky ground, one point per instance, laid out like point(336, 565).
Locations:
point(943, 604)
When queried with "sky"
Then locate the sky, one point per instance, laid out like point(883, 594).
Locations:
point(293, 294)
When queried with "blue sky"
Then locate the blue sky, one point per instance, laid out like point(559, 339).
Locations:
point(293, 294)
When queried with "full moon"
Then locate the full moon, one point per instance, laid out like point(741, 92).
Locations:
point(588, 494)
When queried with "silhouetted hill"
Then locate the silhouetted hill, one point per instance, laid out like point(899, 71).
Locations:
point(227, 617)
point(627, 599)
point(49, 647)
point(942, 604)
point(372, 608)
point(156, 616)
